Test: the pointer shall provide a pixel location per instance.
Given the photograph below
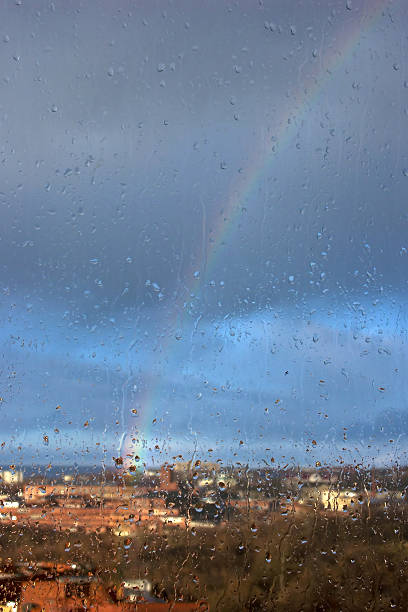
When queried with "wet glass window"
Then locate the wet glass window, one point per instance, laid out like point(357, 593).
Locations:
point(203, 256)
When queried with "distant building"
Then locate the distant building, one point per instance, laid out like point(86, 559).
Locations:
point(205, 468)
point(66, 592)
point(329, 497)
point(167, 479)
point(11, 476)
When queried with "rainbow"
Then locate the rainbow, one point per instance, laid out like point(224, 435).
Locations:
point(137, 431)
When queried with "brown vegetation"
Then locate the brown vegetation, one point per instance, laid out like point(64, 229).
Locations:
point(309, 561)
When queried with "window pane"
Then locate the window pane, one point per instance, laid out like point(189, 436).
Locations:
point(203, 316)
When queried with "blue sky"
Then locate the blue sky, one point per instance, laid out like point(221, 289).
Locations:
point(125, 127)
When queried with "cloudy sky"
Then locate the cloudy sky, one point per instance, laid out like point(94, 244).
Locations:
point(204, 230)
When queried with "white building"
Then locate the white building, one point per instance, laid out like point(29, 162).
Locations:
point(11, 476)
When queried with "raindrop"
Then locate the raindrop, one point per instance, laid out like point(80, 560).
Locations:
point(54, 108)
point(349, 5)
